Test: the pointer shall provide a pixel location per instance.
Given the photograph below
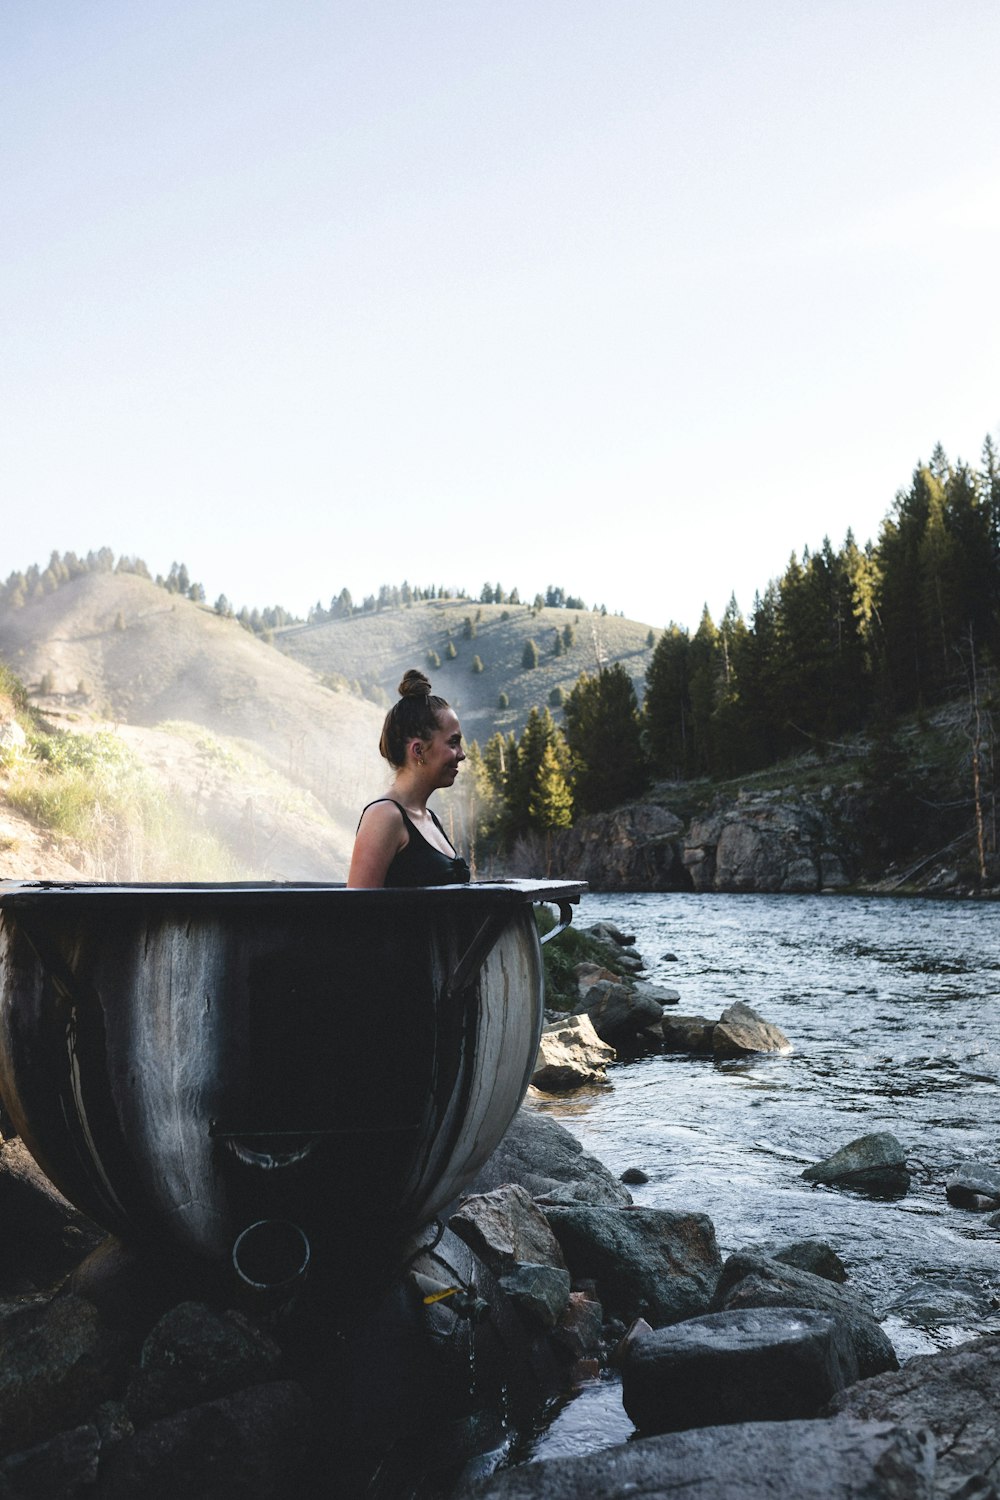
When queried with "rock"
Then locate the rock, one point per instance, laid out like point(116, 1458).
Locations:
point(634, 848)
point(247, 1446)
point(634, 1176)
point(873, 1164)
point(540, 1293)
point(812, 1255)
point(764, 841)
point(617, 1011)
point(504, 1227)
point(631, 963)
point(956, 1393)
point(579, 1329)
point(688, 1034)
point(609, 932)
point(571, 1054)
point(194, 1354)
point(12, 738)
point(636, 1330)
point(658, 992)
point(58, 1364)
point(61, 1468)
point(548, 1160)
point(754, 1280)
point(974, 1186)
point(809, 1460)
point(588, 974)
point(755, 1364)
point(648, 1262)
point(44, 1237)
point(740, 1030)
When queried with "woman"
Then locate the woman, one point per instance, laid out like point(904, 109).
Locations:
point(399, 840)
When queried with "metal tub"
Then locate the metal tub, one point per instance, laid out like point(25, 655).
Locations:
point(184, 1061)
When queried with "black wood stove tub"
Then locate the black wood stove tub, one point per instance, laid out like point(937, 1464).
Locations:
point(185, 1061)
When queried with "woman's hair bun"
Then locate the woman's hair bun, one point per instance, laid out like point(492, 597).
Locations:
point(414, 685)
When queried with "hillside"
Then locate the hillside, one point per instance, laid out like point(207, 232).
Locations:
point(286, 763)
point(374, 649)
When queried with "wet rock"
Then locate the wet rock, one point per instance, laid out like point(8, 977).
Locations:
point(754, 1364)
point(44, 1237)
point(618, 1011)
point(634, 1176)
point(956, 1394)
point(974, 1186)
point(570, 1055)
point(799, 1460)
point(688, 1034)
point(58, 1364)
point(658, 992)
point(610, 932)
point(579, 1330)
point(815, 1256)
point(873, 1164)
point(61, 1468)
point(741, 1030)
point(754, 1280)
point(540, 1293)
point(647, 1262)
point(194, 1354)
point(504, 1228)
point(247, 1446)
point(545, 1158)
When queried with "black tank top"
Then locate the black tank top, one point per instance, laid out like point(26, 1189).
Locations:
point(418, 862)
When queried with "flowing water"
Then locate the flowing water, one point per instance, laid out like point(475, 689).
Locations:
point(892, 1008)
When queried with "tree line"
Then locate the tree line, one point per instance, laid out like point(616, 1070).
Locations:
point(845, 639)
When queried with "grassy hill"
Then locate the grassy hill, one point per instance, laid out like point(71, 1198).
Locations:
point(375, 650)
point(242, 737)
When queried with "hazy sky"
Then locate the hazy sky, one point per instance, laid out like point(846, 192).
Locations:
point(631, 296)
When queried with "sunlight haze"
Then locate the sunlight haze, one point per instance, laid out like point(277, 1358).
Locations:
point(632, 298)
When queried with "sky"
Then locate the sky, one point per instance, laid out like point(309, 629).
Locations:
point(632, 297)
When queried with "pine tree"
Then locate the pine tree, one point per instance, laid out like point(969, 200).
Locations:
point(604, 739)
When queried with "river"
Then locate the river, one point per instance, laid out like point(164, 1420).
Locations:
point(891, 1007)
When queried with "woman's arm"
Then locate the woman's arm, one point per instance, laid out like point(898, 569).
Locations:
point(381, 835)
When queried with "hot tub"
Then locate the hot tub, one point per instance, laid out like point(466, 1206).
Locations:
point(184, 1061)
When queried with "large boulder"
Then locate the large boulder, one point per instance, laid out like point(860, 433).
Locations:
point(545, 1158)
point(750, 1279)
point(195, 1353)
point(955, 1393)
point(764, 841)
point(873, 1164)
point(247, 1446)
point(809, 1460)
point(618, 1011)
point(741, 1031)
point(653, 1263)
point(688, 1034)
point(504, 1228)
point(756, 1364)
point(58, 1364)
point(570, 1055)
point(60, 1468)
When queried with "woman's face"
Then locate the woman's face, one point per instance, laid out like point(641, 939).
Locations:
point(443, 753)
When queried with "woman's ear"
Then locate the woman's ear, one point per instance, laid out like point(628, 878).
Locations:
point(417, 751)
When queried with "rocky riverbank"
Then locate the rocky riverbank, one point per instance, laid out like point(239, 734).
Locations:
point(762, 1373)
point(787, 841)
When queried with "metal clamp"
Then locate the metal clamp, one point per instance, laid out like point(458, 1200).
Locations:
point(565, 918)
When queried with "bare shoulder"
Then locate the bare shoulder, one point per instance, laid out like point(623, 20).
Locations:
point(382, 815)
